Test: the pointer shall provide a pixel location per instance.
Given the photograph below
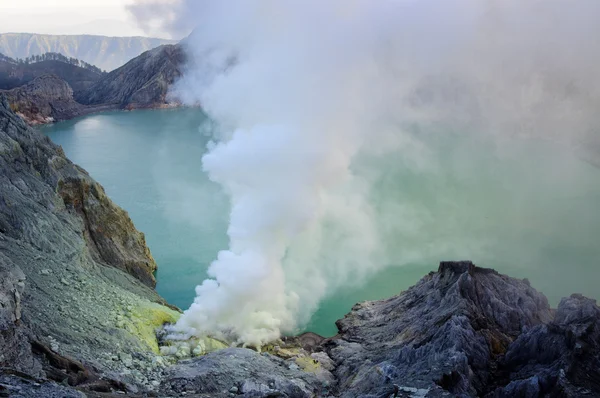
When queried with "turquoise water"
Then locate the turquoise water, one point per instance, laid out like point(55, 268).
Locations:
point(527, 209)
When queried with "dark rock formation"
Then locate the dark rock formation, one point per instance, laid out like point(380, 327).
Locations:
point(446, 334)
point(46, 99)
point(141, 83)
point(76, 277)
point(242, 371)
point(560, 359)
point(20, 385)
point(468, 331)
point(12, 334)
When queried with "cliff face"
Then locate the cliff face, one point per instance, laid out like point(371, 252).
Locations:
point(141, 83)
point(76, 276)
point(44, 99)
point(107, 53)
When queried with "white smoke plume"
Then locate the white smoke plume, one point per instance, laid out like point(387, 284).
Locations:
point(299, 90)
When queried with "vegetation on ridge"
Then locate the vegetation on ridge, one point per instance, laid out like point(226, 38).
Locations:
point(52, 56)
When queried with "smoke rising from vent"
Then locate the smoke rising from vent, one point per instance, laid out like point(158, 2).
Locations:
point(299, 91)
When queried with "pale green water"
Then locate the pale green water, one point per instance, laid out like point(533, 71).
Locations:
point(527, 212)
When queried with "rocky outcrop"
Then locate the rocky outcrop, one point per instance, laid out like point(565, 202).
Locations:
point(141, 83)
point(468, 331)
point(46, 99)
point(109, 232)
point(561, 358)
point(75, 276)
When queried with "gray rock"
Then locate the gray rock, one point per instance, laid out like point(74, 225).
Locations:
point(126, 359)
point(55, 218)
point(445, 334)
point(561, 358)
point(15, 350)
point(19, 387)
point(251, 373)
point(45, 99)
point(143, 82)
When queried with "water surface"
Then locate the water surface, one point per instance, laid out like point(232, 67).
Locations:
point(529, 212)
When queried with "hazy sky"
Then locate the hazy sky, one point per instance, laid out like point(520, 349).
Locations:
point(100, 17)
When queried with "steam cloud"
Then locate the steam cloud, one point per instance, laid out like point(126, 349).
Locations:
point(299, 90)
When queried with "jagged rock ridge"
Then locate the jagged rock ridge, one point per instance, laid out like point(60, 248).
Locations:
point(141, 83)
point(467, 331)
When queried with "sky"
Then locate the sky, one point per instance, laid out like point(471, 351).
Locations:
point(97, 17)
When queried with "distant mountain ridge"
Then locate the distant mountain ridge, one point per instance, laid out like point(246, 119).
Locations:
point(78, 74)
point(107, 53)
point(51, 57)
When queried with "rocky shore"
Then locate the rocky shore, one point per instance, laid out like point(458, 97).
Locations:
point(79, 316)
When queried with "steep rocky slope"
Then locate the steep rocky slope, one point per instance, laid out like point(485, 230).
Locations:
point(107, 53)
point(76, 277)
point(45, 99)
point(141, 83)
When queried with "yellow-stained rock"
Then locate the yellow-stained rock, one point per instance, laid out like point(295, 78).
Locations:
point(208, 344)
point(145, 317)
point(308, 364)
